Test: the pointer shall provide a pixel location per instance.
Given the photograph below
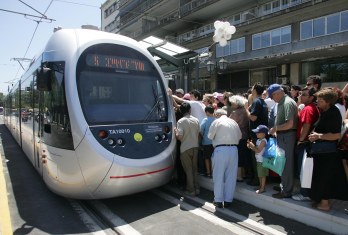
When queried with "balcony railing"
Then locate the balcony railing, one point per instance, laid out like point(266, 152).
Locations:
point(236, 19)
point(137, 11)
point(192, 6)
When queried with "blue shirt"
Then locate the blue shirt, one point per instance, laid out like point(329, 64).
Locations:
point(204, 128)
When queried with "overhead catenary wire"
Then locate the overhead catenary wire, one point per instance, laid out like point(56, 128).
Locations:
point(33, 9)
point(26, 14)
point(32, 37)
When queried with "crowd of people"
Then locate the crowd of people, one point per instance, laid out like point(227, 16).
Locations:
point(223, 136)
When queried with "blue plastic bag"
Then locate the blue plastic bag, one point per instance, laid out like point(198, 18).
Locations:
point(276, 163)
point(270, 148)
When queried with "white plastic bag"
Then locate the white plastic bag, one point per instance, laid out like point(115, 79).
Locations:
point(306, 171)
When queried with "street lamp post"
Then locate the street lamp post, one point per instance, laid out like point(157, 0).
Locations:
point(210, 66)
point(217, 66)
point(223, 63)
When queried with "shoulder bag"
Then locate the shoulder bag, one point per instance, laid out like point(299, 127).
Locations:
point(323, 147)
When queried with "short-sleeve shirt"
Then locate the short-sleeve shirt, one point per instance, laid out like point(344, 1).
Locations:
point(188, 127)
point(197, 109)
point(287, 110)
point(308, 115)
point(224, 130)
point(205, 125)
point(260, 110)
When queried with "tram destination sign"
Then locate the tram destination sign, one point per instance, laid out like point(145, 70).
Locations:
point(116, 62)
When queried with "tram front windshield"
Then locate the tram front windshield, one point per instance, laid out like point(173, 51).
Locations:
point(117, 84)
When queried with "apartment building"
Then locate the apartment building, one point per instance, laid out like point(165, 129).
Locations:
point(281, 41)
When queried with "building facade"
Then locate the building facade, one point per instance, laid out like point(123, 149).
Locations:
point(281, 41)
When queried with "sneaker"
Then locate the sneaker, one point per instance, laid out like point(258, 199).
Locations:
point(300, 197)
point(217, 204)
point(227, 204)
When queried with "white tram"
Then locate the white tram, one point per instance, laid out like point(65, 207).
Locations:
point(93, 117)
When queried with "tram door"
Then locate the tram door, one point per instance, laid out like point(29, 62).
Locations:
point(37, 128)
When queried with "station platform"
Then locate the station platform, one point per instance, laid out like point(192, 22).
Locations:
point(334, 221)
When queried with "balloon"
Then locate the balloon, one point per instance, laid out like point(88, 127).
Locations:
point(223, 32)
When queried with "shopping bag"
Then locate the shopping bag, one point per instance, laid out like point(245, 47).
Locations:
point(277, 163)
point(306, 171)
point(270, 148)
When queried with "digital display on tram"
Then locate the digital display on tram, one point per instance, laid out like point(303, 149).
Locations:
point(116, 62)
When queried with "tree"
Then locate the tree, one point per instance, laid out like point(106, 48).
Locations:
point(2, 99)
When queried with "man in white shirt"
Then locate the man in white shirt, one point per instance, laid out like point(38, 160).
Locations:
point(225, 135)
point(197, 107)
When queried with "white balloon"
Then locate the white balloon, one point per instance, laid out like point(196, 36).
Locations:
point(223, 42)
point(223, 32)
point(231, 29)
point(217, 24)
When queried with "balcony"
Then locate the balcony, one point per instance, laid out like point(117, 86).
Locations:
point(131, 13)
point(195, 5)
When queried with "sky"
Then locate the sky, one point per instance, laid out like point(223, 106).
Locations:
point(23, 37)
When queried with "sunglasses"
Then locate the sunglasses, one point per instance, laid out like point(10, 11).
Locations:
point(309, 84)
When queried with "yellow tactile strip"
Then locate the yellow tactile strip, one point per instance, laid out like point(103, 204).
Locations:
point(5, 218)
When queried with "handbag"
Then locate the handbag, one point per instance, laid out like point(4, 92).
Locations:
point(270, 148)
point(322, 147)
point(277, 163)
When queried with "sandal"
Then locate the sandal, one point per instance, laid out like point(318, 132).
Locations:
point(259, 191)
point(323, 208)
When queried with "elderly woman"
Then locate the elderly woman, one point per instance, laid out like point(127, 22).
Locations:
point(328, 179)
point(240, 115)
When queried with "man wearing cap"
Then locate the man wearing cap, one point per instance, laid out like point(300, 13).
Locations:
point(285, 130)
point(179, 93)
point(225, 135)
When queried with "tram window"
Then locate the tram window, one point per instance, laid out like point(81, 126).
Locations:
point(126, 99)
point(54, 111)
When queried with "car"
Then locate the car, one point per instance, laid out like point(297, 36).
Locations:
point(24, 115)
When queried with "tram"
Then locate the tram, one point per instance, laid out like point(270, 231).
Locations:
point(98, 122)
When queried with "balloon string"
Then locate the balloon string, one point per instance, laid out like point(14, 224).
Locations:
point(208, 48)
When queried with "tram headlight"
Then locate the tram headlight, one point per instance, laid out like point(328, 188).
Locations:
point(166, 129)
point(111, 142)
point(120, 142)
point(164, 137)
point(158, 138)
point(102, 134)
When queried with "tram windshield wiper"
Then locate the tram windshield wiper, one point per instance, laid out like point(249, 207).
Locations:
point(156, 104)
